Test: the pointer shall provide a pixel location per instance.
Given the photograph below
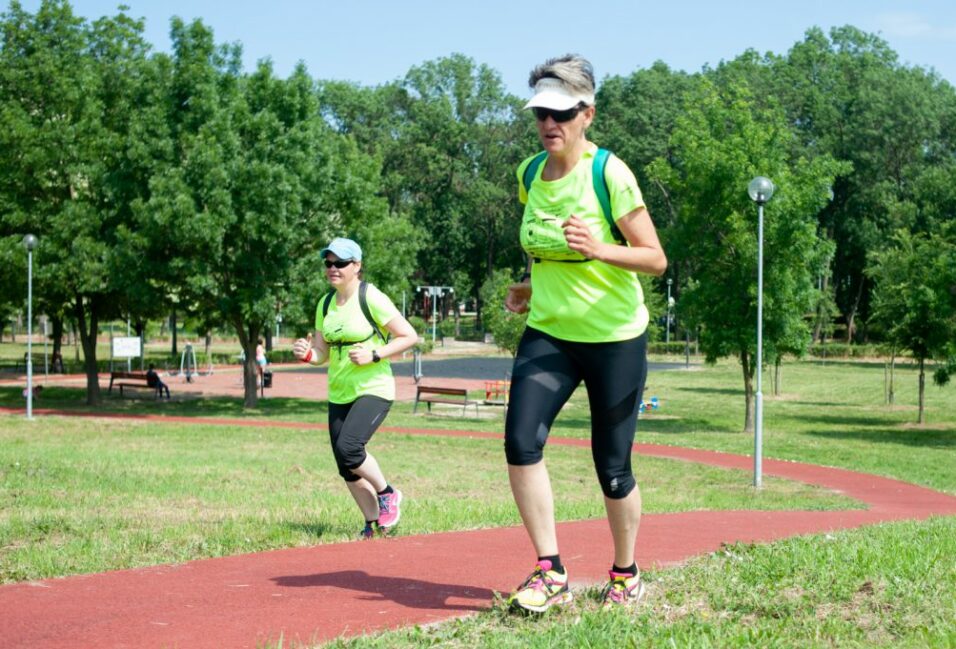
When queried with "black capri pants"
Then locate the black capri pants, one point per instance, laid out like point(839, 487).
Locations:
point(546, 372)
point(351, 426)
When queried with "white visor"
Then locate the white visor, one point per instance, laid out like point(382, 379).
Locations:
point(552, 93)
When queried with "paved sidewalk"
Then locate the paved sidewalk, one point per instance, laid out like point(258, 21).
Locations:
point(319, 593)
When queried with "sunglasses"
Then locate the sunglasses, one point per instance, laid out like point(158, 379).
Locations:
point(559, 116)
point(339, 263)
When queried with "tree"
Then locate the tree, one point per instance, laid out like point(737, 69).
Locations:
point(72, 101)
point(505, 326)
point(720, 143)
point(914, 298)
point(848, 96)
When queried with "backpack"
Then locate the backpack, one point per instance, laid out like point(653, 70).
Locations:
point(363, 304)
point(598, 169)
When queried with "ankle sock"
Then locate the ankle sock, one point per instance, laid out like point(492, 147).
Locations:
point(631, 570)
point(555, 560)
point(387, 490)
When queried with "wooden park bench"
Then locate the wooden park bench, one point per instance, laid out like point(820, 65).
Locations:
point(131, 380)
point(434, 394)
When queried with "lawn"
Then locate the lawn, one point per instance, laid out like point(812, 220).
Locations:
point(83, 495)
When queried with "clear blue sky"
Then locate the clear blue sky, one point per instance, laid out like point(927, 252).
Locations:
point(376, 41)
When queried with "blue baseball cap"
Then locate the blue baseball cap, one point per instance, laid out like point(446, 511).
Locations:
point(345, 249)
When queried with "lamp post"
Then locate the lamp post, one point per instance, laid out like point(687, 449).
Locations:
point(760, 190)
point(30, 242)
point(670, 303)
point(434, 292)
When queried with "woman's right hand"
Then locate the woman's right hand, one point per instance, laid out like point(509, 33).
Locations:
point(302, 349)
point(519, 297)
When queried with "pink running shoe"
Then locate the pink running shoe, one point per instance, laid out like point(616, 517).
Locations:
point(389, 510)
point(542, 589)
point(623, 589)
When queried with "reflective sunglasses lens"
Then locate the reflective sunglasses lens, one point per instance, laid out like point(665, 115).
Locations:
point(339, 263)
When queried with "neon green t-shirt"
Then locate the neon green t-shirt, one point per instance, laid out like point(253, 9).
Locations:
point(347, 324)
point(587, 301)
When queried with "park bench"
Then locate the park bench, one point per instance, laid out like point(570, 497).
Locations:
point(433, 394)
point(131, 380)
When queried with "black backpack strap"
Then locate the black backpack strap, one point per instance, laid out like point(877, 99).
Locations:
point(363, 303)
point(326, 302)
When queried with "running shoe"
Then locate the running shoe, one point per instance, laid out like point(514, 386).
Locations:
point(623, 589)
point(542, 589)
point(367, 533)
point(389, 510)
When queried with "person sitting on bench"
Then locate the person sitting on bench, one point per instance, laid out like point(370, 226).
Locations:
point(153, 381)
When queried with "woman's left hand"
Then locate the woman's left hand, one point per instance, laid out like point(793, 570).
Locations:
point(359, 355)
point(579, 238)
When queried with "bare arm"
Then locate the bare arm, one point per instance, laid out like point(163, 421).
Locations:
point(313, 350)
point(644, 255)
point(403, 337)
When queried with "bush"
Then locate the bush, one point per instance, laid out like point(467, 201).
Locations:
point(505, 326)
point(674, 347)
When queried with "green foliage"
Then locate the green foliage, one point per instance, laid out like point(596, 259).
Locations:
point(505, 326)
point(720, 143)
point(79, 129)
point(914, 298)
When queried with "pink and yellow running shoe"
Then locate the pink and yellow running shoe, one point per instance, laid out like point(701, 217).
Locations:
point(542, 589)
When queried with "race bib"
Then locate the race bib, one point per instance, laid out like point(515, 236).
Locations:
point(543, 237)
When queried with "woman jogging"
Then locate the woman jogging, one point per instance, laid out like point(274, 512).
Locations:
point(350, 332)
point(587, 233)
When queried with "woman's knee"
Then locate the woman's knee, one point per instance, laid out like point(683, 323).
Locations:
point(521, 451)
point(616, 485)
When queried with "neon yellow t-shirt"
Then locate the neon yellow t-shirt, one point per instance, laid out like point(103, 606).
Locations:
point(588, 301)
point(347, 324)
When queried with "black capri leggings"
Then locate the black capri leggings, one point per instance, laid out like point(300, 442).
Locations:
point(546, 372)
point(351, 426)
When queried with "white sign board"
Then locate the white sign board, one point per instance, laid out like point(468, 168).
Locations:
point(127, 347)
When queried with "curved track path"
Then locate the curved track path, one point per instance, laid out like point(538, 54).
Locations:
point(322, 592)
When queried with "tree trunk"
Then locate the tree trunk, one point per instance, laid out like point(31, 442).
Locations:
point(172, 326)
point(250, 369)
point(209, 351)
point(268, 339)
point(776, 379)
point(851, 318)
point(88, 340)
point(57, 335)
point(747, 367)
point(818, 325)
point(891, 395)
point(140, 329)
point(922, 388)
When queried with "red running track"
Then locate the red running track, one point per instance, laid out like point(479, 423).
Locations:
point(319, 593)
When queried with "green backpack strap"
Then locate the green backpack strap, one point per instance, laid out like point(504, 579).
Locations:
point(363, 304)
point(532, 170)
point(599, 178)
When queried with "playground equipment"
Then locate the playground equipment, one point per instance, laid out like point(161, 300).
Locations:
point(648, 406)
point(187, 363)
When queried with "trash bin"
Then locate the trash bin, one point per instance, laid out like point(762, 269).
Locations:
point(267, 378)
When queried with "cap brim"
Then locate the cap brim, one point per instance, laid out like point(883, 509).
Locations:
point(553, 100)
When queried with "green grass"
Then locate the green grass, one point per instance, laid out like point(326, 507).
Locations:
point(87, 495)
point(885, 586)
point(202, 490)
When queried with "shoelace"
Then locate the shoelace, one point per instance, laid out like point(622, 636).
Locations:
point(384, 503)
point(537, 580)
point(617, 590)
